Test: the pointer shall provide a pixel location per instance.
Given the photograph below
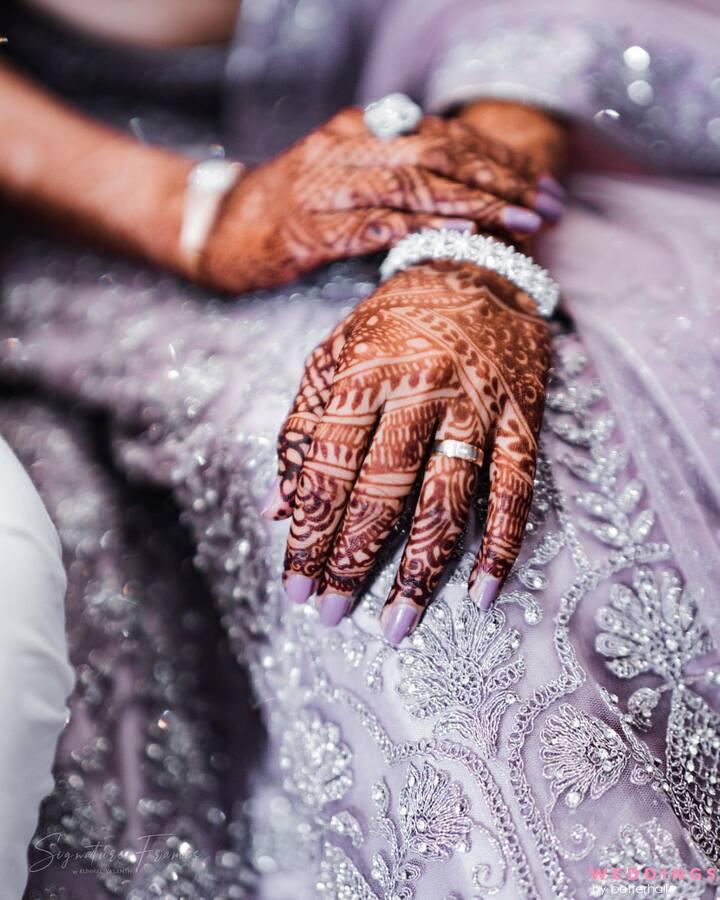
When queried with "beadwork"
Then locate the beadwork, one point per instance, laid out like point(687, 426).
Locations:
point(481, 251)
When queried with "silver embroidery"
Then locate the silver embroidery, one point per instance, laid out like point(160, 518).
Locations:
point(654, 628)
point(316, 762)
point(582, 755)
point(651, 627)
point(461, 670)
point(645, 845)
point(432, 824)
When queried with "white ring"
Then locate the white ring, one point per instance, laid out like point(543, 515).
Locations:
point(392, 116)
point(459, 450)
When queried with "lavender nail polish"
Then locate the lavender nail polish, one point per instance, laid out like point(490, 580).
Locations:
point(463, 225)
point(272, 497)
point(518, 219)
point(550, 208)
point(552, 186)
point(485, 590)
point(399, 622)
point(333, 608)
point(299, 587)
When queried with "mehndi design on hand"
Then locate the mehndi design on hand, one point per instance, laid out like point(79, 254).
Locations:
point(342, 192)
point(440, 351)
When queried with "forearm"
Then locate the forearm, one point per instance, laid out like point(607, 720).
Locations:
point(524, 129)
point(93, 181)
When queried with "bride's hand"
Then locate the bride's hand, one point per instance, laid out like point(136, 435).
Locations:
point(342, 192)
point(440, 351)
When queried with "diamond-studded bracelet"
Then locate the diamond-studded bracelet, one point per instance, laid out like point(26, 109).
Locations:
point(481, 250)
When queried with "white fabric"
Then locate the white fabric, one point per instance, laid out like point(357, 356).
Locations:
point(35, 675)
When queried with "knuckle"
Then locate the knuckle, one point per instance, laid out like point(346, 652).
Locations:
point(433, 125)
point(437, 156)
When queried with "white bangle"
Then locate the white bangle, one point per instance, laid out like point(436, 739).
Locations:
point(481, 250)
point(208, 182)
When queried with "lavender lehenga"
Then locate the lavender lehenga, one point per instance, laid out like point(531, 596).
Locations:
point(575, 728)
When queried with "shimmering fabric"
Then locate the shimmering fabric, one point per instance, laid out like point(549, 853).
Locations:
point(506, 756)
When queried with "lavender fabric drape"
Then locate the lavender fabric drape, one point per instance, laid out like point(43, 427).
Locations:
point(567, 733)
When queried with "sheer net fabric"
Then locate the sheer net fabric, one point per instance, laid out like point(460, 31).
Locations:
point(504, 756)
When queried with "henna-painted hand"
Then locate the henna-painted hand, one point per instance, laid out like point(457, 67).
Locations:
point(342, 192)
point(440, 351)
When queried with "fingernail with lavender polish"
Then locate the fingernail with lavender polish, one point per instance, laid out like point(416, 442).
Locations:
point(552, 186)
point(333, 608)
point(550, 208)
point(272, 499)
point(518, 219)
point(485, 590)
point(299, 587)
point(399, 622)
point(463, 225)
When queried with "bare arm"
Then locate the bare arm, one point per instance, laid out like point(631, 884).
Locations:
point(339, 192)
point(89, 179)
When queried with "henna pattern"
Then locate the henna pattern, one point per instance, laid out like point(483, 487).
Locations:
point(520, 128)
point(342, 192)
point(442, 350)
point(310, 401)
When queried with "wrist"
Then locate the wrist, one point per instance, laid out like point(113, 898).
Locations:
point(89, 180)
point(112, 191)
point(483, 251)
point(144, 215)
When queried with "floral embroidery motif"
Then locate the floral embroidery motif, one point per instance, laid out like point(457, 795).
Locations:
point(466, 671)
point(433, 824)
point(581, 754)
point(651, 627)
point(461, 669)
point(647, 844)
point(432, 813)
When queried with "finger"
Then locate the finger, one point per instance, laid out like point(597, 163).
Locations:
point(440, 517)
point(512, 472)
point(419, 190)
point(357, 232)
point(466, 164)
point(551, 185)
point(339, 444)
point(437, 144)
point(492, 164)
point(495, 149)
point(377, 499)
point(458, 151)
point(296, 433)
point(454, 150)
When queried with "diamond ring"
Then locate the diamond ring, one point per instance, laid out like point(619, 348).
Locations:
point(459, 450)
point(393, 115)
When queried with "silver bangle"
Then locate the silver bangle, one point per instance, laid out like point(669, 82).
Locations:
point(208, 182)
point(481, 250)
